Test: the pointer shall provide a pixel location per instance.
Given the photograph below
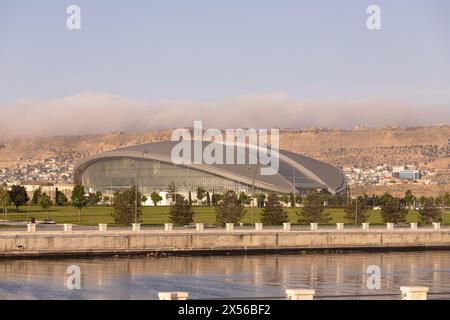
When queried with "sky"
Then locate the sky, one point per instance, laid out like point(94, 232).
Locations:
point(137, 65)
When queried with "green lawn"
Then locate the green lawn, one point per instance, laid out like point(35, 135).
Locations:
point(159, 215)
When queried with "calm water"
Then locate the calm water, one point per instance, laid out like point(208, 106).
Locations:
point(223, 277)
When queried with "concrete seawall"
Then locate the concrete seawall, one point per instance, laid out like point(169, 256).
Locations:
point(46, 243)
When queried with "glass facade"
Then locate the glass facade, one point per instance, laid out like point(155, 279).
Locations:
point(110, 175)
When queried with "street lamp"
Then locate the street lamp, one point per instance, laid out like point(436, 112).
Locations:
point(444, 180)
point(137, 185)
point(253, 189)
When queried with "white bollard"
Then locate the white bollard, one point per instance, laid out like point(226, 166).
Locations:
point(365, 226)
point(300, 294)
point(313, 226)
point(436, 225)
point(258, 226)
point(286, 226)
point(413, 225)
point(31, 227)
point(67, 227)
point(136, 227)
point(229, 227)
point(340, 226)
point(168, 227)
point(390, 226)
point(199, 227)
point(102, 227)
point(414, 293)
point(173, 295)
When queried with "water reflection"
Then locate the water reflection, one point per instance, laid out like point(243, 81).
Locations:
point(223, 277)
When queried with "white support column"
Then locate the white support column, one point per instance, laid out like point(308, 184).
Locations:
point(258, 226)
point(313, 226)
point(340, 226)
point(136, 227)
point(173, 295)
point(414, 293)
point(199, 227)
point(168, 227)
point(286, 226)
point(102, 227)
point(390, 226)
point(300, 294)
point(31, 227)
point(365, 226)
point(229, 227)
point(67, 227)
point(436, 225)
point(413, 225)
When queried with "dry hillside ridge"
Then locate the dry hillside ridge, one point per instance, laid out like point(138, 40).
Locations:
point(426, 146)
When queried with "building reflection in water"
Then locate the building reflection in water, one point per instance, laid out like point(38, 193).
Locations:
point(142, 277)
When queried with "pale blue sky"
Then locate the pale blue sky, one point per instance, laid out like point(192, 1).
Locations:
point(207, 50)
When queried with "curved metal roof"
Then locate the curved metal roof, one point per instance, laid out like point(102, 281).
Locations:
point(295, 171)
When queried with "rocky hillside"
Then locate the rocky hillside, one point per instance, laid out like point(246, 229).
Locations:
point(427, 146)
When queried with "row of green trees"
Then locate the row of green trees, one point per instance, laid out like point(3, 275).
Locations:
point(394, 209)
point(18, 196)
point(230, 206)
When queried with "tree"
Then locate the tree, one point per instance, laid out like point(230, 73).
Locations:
point(124, 204)
point(447, 199)
point(208, 199)
point(393, 211)
point(244, 198)
point(79, 199)
point(339, 200)
point(94, 198)
point(385, 198)
point(422, 200)
point(229, 209)
point(260, 200)
point(273, 213)
point(292, 200)
point(181, 211)
point(172, 192)
point(216, 198)
point(5, 199)
point(156, 198)
point(357, 207)
point(284, 198)
point(375, 200)
point(313, 210)
point(200, 194)
point(144, 199)
point(36, 194)
point(45, 202)
point(409, 198)
point(190, 198)
point(61, 199)
point(19, 195)
point(429, 212)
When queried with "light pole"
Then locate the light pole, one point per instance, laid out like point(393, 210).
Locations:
point(356, 205)
point(444, 180)
point(137, 185)
point(253, 190)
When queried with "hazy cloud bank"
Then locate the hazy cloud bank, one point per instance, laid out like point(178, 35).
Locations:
point(90, 113)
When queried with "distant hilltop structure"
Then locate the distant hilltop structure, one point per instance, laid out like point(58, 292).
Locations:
point(359, 127)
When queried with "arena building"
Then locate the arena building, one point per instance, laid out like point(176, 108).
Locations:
point(150, 166)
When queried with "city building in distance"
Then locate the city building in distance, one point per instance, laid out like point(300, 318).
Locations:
point(151, 168)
